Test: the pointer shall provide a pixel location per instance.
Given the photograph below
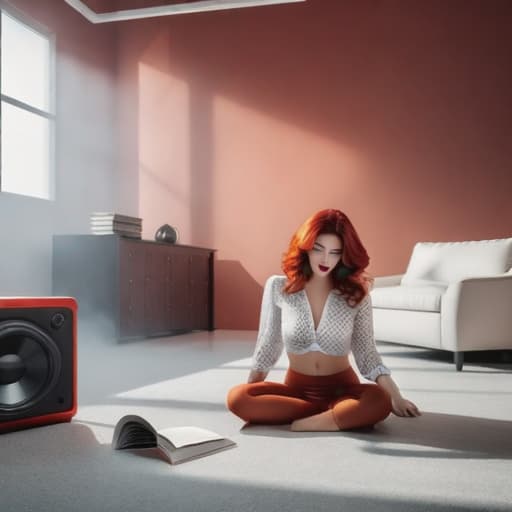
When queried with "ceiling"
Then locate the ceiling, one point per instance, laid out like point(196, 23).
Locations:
point(102, 11)
point(102, 6)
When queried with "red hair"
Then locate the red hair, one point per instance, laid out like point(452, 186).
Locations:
point(355, 286)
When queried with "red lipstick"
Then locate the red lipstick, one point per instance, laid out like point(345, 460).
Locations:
point(322, 268)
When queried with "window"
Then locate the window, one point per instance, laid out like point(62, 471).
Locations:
point(27, 107)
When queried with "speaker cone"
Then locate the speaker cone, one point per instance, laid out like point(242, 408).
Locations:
point(30, 364)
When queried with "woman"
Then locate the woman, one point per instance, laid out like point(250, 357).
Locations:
point(320, 311)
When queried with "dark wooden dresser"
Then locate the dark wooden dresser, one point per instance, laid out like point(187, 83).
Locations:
point(135, 288)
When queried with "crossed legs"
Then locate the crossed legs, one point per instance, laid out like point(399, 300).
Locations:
point(353, 405)
point(269, 403)
point(363, 406)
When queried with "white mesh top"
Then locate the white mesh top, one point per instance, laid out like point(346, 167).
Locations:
point(286, 320)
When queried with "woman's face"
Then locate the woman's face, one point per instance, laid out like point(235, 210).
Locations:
point(325, 254)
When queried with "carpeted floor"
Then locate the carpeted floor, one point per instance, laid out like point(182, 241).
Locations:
point(457, 456)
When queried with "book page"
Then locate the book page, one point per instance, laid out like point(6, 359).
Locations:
point(184, 436)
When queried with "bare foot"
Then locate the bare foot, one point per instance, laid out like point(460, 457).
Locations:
point(323, 422)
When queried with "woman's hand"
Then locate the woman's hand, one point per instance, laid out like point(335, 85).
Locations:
point(400, 406)
point(403, 407)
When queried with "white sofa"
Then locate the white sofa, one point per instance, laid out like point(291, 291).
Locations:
point(454, 296)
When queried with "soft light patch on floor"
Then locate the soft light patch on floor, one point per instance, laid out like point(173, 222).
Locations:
point(208, 386)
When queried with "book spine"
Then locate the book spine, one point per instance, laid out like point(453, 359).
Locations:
point(116, 225)
point(115, 230)
point(116, 217)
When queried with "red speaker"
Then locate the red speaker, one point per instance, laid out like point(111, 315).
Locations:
point(37, 361)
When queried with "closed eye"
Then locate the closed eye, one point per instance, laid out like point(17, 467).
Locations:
point(336, 251)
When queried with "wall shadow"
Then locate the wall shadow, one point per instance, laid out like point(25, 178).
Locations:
point(240, 295)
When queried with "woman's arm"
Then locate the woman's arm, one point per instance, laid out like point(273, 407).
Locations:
point(365, 352)
point(269, 344)
point(401, 406)
point(256, 376)
point(370, 363)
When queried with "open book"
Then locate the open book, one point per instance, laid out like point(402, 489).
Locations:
point(177, 444)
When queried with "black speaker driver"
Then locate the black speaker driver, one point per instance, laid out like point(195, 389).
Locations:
point(30, 364)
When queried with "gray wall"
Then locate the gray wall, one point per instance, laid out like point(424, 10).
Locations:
point(86, 151)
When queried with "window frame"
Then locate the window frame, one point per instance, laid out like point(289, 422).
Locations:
point(50, 114)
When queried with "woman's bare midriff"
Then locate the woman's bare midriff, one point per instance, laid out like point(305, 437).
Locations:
point(317, 363)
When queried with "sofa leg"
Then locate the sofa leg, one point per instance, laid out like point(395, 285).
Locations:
point(458, 359)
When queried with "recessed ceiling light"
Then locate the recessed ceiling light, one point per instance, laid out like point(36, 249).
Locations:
point(170, 9)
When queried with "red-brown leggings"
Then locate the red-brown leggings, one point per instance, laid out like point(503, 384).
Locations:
point(353, 404)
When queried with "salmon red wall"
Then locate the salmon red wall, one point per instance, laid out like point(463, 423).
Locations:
point(237, 125)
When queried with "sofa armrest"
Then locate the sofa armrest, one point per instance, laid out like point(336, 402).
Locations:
point(382, 281)
point(476, 314)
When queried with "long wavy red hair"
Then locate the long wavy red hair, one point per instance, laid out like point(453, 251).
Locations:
point(355, 286)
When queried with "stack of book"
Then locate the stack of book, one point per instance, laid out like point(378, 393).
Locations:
point(109, 223)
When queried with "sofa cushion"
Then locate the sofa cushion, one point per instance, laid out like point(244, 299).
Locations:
point(448, 262)
point(414, 298)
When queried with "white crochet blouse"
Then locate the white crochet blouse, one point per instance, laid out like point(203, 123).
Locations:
point(286, 320)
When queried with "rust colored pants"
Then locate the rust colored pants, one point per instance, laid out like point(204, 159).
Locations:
point(353, 404)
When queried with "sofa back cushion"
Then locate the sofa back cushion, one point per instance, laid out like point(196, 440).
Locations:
point(447, 262)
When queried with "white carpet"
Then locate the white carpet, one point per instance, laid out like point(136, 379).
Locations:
point(457, 456)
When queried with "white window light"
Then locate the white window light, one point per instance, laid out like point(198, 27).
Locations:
point(27, 106)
